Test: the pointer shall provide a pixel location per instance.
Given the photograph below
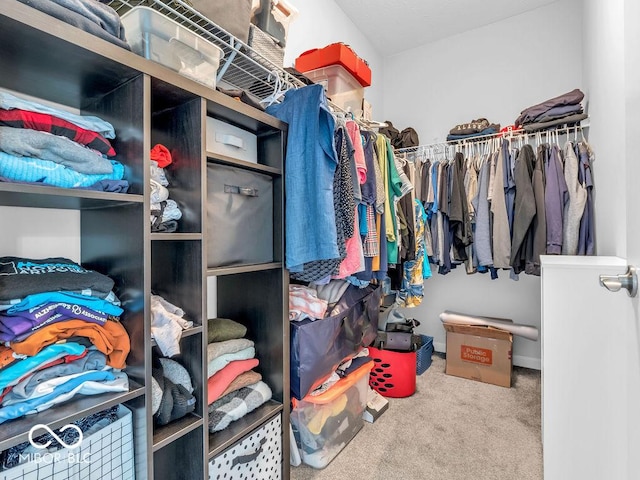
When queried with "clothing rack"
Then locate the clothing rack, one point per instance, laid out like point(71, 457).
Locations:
point(484, 140)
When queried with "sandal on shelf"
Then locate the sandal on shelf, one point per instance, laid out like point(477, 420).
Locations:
point(474, 126)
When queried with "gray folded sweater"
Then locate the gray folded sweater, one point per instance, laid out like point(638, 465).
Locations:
point(23, 142)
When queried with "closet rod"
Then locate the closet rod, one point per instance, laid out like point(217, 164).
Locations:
point(510, 134)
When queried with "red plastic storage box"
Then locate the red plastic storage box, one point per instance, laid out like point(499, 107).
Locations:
point(394, 373)
point(335, 54)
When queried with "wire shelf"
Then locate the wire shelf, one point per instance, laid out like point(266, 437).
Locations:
point(242, 67)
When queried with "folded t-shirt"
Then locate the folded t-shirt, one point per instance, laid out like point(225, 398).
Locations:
point(243, 380)
point(20, 277)
point(218, 382)
point(217, 349)
point(222, 361)
point(236, 405)
point(45, 122)
point(221, 329)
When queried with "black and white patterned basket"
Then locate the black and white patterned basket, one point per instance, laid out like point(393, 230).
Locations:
point(256, 457)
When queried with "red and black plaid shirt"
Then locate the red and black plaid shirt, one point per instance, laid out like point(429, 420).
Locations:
point(48, 123)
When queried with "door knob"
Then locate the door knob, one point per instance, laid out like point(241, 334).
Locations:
point(628, 281)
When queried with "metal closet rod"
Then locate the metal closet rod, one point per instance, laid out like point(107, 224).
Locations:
point(510, 134)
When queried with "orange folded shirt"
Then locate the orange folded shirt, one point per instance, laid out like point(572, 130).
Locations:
point(111, 339)
point(6, 356)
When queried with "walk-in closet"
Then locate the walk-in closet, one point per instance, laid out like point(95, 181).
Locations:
point(319, 240)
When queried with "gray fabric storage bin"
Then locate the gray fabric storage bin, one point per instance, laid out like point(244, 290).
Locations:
point(232, 15)
point(239, 216)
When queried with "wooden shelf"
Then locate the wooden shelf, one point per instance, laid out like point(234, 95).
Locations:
point(258, 267)
point(220, 441)
point(175, 236)
point(164, 435)
point(185, 333)
point(17, 431)
point(43, 196)
point(234, 162)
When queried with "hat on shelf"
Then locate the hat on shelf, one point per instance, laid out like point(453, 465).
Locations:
point(176, 373)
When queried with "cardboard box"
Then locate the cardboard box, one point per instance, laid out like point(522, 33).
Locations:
point(479, 353)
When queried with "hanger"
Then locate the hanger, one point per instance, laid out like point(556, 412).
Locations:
point(279, 88)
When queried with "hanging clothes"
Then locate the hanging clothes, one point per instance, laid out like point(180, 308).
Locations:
point(525, 210)
point(417, 270)
point(310, 166)
point(539, 222)
point(555, 197)
point(501, 233)
point(586, 236)
point(574, 207)
point(460, 224)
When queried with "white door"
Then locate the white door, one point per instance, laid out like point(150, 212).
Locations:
point(632, 320)
point(591, 349)
point(584, 375)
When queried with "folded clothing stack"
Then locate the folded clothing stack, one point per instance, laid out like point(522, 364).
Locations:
point(172, 391)
point(88, 15)
point(44, 145)
point(560, 110)
point(475, 128)
point(61, 334)
point(233, 388)
point(165, 212)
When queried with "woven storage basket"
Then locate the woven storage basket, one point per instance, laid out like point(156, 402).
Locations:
point(266, 47)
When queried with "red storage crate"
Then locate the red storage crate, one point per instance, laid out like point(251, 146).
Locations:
point(335, 54)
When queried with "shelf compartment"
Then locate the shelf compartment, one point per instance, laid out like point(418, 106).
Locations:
point(43, 196)
point(185, 333)
point(164, 435)
point(232, 270)
point(256, 167)
point(17, 431)
point(182, 458)
point(220, 441)
point(74, 74)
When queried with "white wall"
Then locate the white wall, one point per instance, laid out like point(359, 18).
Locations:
point(40, 233)
point(322, 22)
point(603, 74)
point(494, 72)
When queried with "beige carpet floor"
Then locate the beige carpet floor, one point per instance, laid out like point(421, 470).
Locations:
point(450, 429)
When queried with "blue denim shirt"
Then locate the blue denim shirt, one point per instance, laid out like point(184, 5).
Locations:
point(311, 161)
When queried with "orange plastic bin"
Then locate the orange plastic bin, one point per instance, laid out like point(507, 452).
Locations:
point(335, 54)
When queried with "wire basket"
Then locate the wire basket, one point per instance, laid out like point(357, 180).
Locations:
point(242, 67)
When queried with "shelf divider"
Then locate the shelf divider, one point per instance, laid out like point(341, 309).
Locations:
point(17, 431)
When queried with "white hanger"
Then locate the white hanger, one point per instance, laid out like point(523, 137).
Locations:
point(279, 88)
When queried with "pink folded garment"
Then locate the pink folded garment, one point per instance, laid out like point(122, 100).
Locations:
point(219, 381)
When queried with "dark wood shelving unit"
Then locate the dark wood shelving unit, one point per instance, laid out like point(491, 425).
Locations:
point(147, 104)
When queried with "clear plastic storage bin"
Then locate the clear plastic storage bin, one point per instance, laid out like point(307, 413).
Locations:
point(342, 88)
point(324, 424)
point(156, 37)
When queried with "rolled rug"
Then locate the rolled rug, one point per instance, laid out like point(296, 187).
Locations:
point(527, 331)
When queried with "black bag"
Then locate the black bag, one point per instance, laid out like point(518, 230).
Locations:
point(407, 138)
point(396, 331)
point(390, 132)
